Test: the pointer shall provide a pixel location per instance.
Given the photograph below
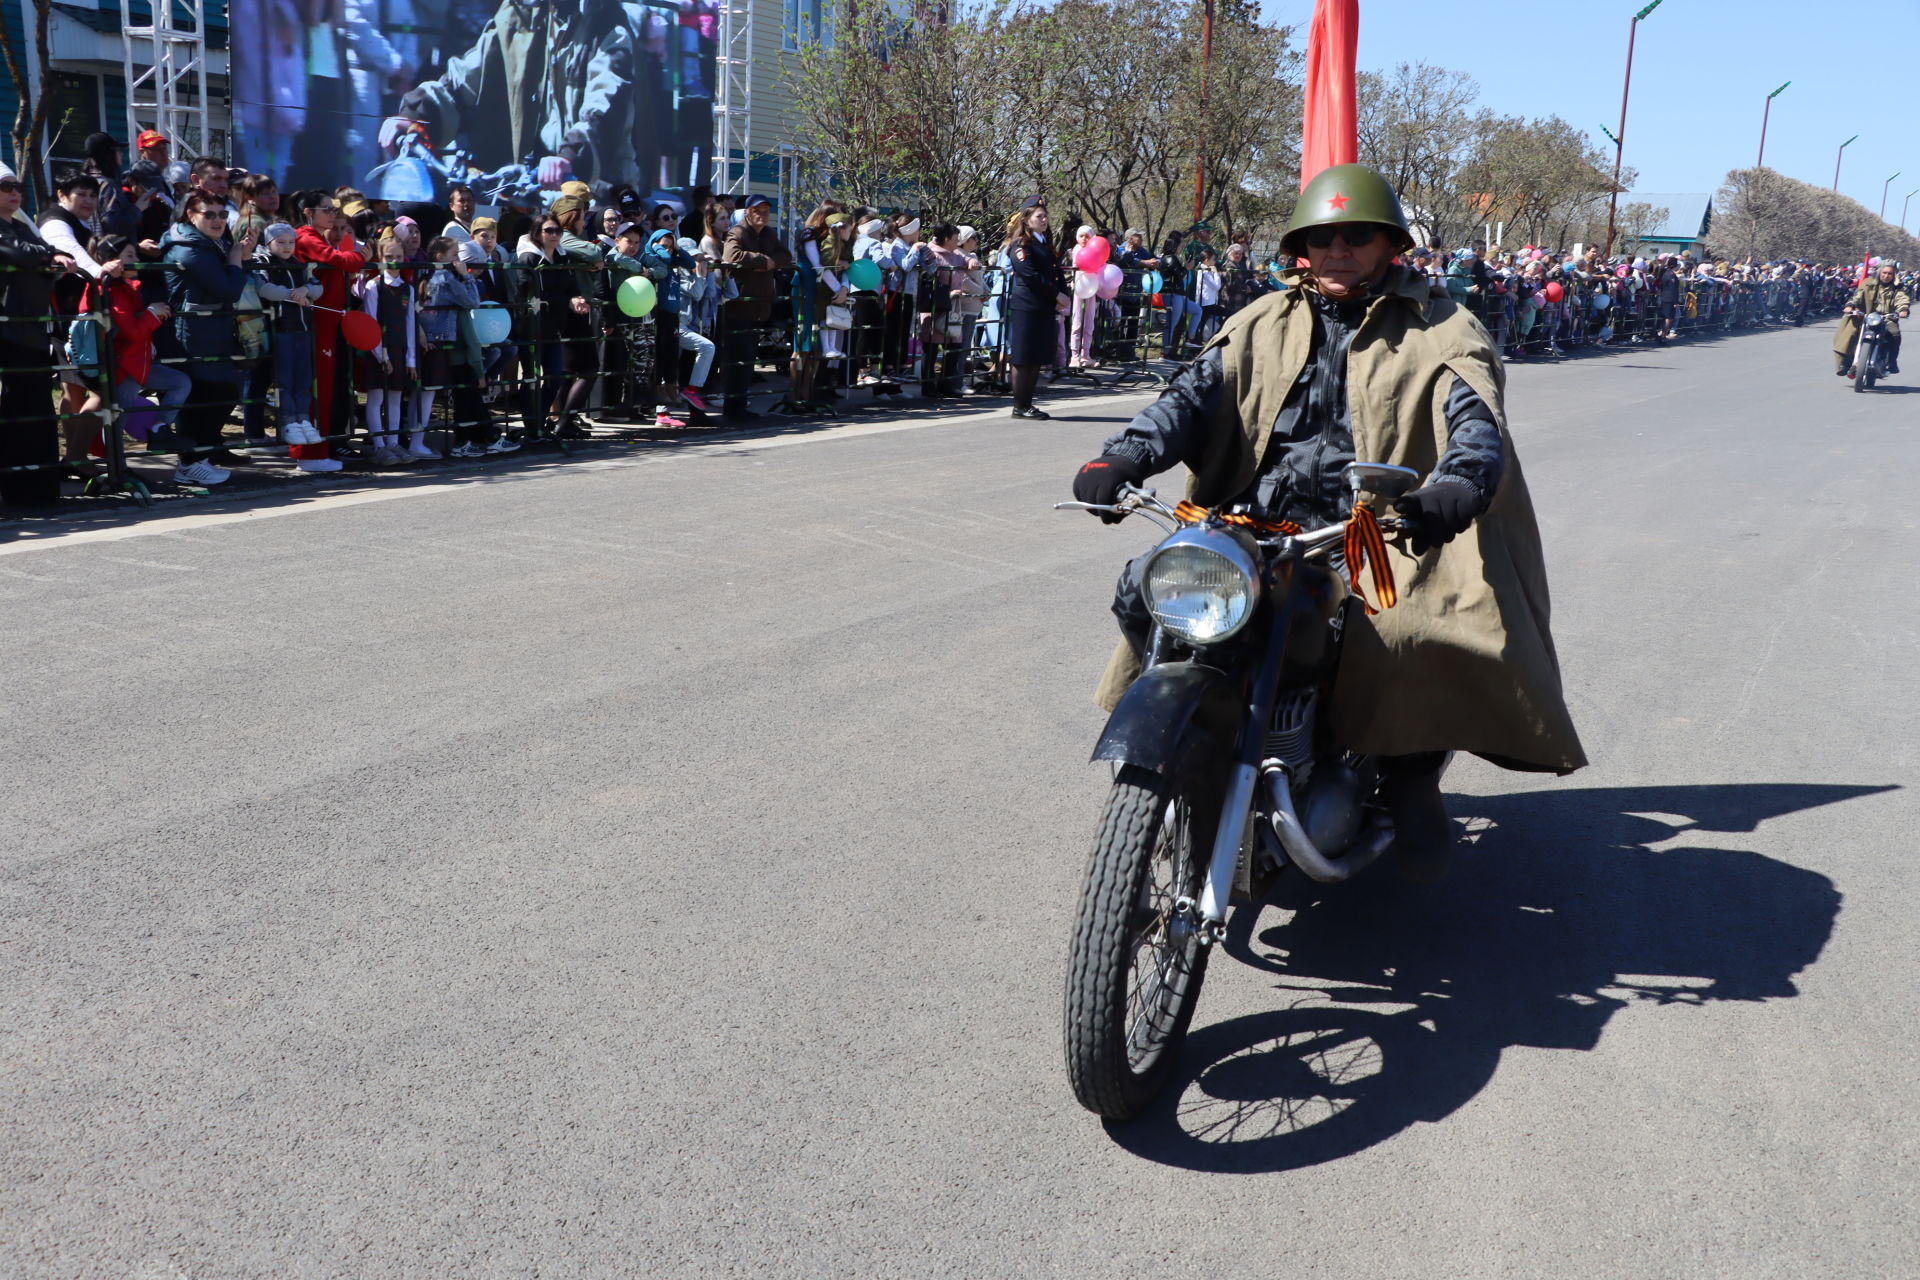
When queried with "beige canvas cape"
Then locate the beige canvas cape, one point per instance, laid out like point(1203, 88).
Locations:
point(1465, 661)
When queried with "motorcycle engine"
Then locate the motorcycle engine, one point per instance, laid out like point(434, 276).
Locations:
point(1290, 737)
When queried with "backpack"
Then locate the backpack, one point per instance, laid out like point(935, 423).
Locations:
point(251, 331)
point(83, 345)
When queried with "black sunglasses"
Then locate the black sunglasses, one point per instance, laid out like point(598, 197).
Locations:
point(10, 186)
point(1356, 234)
point(210, 213)
point(549, 231)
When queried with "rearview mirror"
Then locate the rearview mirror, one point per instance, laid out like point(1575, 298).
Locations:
point(1380, 478)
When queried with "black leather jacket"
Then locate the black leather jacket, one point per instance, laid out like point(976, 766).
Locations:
point(1312, 439)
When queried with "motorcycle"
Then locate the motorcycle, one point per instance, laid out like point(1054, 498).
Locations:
point(416, 172)
point(1869, 351)
point(1226, 776)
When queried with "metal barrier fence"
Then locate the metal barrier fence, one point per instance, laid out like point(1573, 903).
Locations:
point(1612, 312)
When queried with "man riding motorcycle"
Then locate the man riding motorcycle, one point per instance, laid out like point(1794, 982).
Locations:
point(1359, 359)
point(1881, 293)
point(548, 79)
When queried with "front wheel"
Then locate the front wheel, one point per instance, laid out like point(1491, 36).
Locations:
point(1137, 960)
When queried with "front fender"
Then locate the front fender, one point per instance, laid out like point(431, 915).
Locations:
point(1153, 714)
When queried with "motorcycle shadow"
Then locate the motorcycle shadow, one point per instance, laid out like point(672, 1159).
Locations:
point(1400, 998)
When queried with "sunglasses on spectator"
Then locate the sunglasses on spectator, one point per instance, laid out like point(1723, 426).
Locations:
point(549, 231)
point(211, 213)
point(10, 186)
point(1356, 234)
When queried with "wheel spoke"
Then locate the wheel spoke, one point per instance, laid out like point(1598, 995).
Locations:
point(1158, 974)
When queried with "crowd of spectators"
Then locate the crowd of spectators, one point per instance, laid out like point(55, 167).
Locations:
point(157, 305)
point(1537, 302)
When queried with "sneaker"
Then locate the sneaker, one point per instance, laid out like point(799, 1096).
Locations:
point(200, 473)
point(388, 456)
point(665, 419)
point(318, 464)
point(502, 445)
point(471, 451)
point(420, 449)
point(693, 398)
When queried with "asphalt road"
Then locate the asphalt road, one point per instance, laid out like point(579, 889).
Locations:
point(663, 867)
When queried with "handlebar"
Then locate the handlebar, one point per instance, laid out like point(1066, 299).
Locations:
point(1138, 500)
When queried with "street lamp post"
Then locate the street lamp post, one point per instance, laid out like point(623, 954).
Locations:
point(1903, 207)
point(1883, 197)
point(1619, 142)
point(1836, 159)
point(1765, 112)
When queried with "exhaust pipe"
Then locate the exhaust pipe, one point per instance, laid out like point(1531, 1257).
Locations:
point(1301, 850)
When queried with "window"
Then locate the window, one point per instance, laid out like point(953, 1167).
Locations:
point(73, 112)
point(807, 22)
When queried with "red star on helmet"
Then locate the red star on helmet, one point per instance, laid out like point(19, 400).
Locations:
point(1339, 202)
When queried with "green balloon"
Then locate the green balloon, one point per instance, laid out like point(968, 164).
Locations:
point(864, 274)
point(636, 295)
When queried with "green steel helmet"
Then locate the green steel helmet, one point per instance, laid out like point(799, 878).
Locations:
point(1346, 193)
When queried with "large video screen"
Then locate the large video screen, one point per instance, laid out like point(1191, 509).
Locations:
point(400, 98)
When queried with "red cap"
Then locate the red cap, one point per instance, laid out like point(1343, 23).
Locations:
point(149, 138)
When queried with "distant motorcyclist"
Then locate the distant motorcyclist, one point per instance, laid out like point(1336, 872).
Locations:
point(1881, 292)
point(1359, 358)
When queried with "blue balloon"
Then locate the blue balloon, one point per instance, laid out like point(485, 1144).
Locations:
point(1154, 282)
point(491, 324)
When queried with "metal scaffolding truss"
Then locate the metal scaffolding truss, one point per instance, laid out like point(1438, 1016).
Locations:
point(165, 62)
point(733, 96)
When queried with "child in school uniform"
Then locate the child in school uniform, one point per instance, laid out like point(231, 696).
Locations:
point(387, 373)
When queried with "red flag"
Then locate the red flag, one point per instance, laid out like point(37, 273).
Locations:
point(1330, 137)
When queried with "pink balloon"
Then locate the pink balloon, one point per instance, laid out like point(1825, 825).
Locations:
point(1111, 278)
point(1092, 255)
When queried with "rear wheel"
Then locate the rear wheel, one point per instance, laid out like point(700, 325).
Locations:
point(1137, 960)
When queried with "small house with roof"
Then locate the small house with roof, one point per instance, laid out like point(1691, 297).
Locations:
point(1688, 217)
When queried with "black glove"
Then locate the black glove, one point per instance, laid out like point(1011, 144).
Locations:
point(1099, 481)
point(1438, 512)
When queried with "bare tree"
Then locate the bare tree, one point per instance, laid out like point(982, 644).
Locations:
point(1763, 214)
point(1096, 103)
point(30, 117)
point(1417, 128)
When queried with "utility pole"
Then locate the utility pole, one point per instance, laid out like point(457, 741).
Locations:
point(1619, 142)
point(1836, 160)
point(1762, 161)
point(1200, 157)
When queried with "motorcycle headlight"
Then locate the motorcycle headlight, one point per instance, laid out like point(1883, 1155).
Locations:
point(1202, 585)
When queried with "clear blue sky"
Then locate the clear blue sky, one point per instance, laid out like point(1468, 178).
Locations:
point(1701, 73)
